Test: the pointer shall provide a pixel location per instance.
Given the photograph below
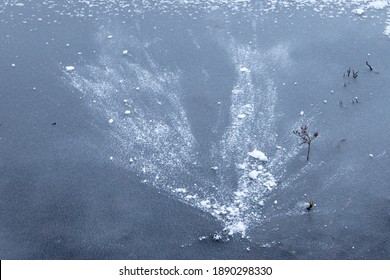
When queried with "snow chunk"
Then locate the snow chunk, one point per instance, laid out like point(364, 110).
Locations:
point(253, 174)
point(358, 11)
point(127, 112)
point(239, 227)
point(241, 116)
point(258, 154)
point(371, 155)
point(69, 68)
point(110, 121)
point(125, 52)
point(109, 37)
point(302, 113)
point(378, 4)
point(215, 168)
point(245, 70)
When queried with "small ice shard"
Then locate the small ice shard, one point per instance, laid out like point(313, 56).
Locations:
point(371, 155)
point(127, 112)
point(109, 37)
point(244, 69)
point(241, 116)
point(253, 174)
point(358, 11)
point(125, 52)
point(110, 121)
point(215, 168)
point(302, 113)
point(69, 68)
point(258, 154)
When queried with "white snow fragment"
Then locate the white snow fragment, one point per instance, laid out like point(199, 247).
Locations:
point(215, 168)
point(331, 91)
point(248, 248)
point(260, 168)
point(120, 81)
point(239, 194)
point(241, 166)
point(275, 202)
point(378, 4)
point(67, 45)
point(125, 52)
point(111, 158)
point(110, 121)
point(261, 202)
point(202, 238)
point(253, 174)
point(295, 83)
point(79, 53)
point(109, 37)
point(131, 160)
point(258, 154)
point(13, 65)
point(278, 147)
point(205, 203)
point(241, 116)
point(244, 70)
point(358, 11)
point(270, 184)
point(302, 113)
point(127, 112)
point(239, 227)
point(180, 190)
point(137, 88)
point(69, 68)
point(387, 30)
point(217, 236)
point(219, 102)
point(371, 155)
point(125, 100)
point(325, 101)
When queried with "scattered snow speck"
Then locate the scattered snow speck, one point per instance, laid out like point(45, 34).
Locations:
point(109, 37)
point(302, 113)
point(275, 202)
point(127, 112)
point(371, 155)
point(241, 116)
point(215, 168)
point(261, 202)
point(125, 52)
point(325, 101)
point(110, 121)
point(258, 154)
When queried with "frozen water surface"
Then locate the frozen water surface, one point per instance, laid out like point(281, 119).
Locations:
point(163, 129)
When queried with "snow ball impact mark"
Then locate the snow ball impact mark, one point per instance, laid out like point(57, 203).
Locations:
point(110, 121)
point(69, 68)
point(258, 154)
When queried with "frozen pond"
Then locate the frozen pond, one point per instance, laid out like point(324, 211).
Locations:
point(164, 129)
